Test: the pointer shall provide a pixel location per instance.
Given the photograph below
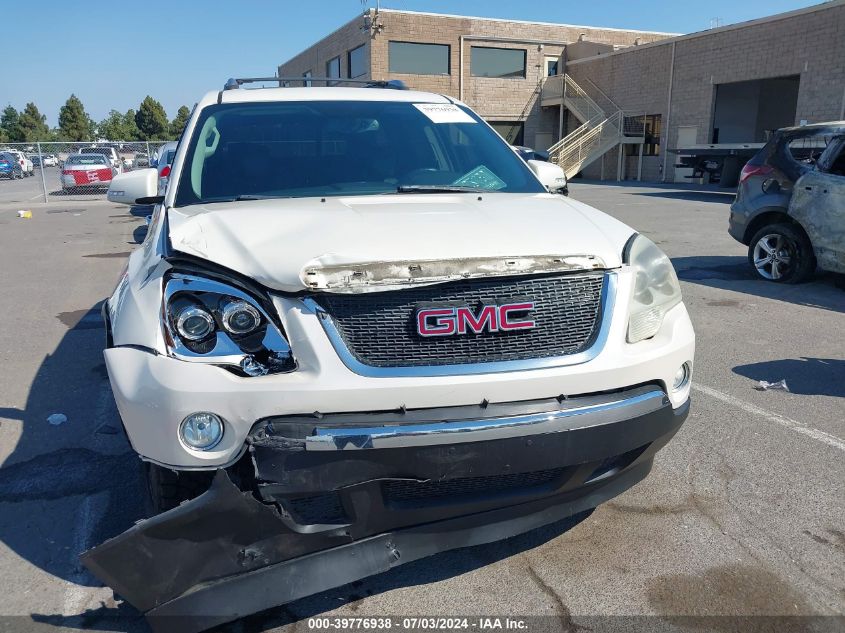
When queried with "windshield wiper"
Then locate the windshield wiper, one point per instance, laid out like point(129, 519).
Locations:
point(438, 189)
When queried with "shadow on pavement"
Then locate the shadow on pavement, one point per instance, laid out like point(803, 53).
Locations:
point(68, 486)
point(825, 290)
point(725, 196)
point(804, 376)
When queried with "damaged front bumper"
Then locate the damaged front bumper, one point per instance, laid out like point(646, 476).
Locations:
point(345, 496)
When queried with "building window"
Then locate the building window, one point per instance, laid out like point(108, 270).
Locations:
point(651, 144)
point(551, 66)
point(333, 68)
point(307, 76)
point(356, 62)
point(413, 58)
point(498, 62)
point(511, 131)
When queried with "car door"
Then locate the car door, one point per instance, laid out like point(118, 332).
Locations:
point(818, 204)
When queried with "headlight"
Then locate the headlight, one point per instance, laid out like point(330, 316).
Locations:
point(194, 323)
point(208, 321)
point(240, 318)
point(656, 289)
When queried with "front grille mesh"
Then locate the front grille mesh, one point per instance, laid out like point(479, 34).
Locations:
point(379, 329)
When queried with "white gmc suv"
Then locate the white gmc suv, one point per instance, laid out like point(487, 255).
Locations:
point(362, 330)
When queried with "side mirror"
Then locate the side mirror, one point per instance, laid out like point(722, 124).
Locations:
point(550, 175)
point(128, 187)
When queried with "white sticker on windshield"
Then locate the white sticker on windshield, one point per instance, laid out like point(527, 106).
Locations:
point(444, 113)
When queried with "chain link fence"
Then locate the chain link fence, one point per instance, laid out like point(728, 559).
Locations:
point(54, 171)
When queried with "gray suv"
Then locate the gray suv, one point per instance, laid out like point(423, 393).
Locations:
point(790, 204)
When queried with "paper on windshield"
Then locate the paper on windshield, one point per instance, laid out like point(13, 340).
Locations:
point(444, 113)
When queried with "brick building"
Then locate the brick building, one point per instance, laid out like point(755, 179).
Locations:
point(624, 96)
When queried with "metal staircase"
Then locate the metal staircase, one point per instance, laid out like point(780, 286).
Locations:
point(599, 131)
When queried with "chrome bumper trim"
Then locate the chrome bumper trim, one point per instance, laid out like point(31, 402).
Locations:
point(479, 430)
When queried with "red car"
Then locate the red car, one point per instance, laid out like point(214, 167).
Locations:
point(89, 171)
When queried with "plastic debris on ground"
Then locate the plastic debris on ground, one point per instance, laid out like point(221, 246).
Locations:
point(25, 214)
point(780, 385)
point(57, 418)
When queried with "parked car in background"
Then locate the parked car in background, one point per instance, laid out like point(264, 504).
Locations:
point(49, 160)
point(141, 160)
point(790, 204)
point(9, 166)
point(163, 162)
point(87, 171)
point(107, 151)
point(528, 153)
point(27, 168)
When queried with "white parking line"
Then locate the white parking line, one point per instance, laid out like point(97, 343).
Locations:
point(789, 423)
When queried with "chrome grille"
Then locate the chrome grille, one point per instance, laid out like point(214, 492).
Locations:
point(379, 329)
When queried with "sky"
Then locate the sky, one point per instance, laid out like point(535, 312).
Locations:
point(113, 54)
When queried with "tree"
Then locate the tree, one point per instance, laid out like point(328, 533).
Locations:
point(178, 123)
point(151, 120)
point(9, 124)
point(33, 125)
point(74, 122)
point(130, 128)
point(112, 127)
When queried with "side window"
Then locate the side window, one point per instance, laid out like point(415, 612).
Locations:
point(834, 160)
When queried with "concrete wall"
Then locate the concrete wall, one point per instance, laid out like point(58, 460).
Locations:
point(807, 42)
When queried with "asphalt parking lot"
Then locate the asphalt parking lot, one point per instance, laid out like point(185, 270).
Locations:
point(743, 514)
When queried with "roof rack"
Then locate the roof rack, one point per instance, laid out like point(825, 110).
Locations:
point(390, 84)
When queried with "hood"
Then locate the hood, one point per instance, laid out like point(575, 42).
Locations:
point(358, 243)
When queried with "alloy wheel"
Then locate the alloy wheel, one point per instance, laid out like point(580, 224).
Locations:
point(774, 256)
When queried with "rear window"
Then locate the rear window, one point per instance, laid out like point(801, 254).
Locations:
point(809, 148)
point(81, 159)
point(105, 151)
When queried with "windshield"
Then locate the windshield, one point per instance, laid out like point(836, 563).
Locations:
point(344, 148)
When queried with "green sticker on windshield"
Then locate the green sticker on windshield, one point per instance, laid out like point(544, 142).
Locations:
point(481, 178)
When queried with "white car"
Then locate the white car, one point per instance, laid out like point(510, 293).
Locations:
point(368, 331)
point(108, 152)
point(27, 167)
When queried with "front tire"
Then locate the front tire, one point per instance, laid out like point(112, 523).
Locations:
point(169, 488)
point(782, 253)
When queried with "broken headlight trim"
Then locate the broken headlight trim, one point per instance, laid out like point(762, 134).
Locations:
point(656, 288)
point(238, 333)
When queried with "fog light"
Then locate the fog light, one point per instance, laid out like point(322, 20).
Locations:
point(201, 431)
point(682, 377)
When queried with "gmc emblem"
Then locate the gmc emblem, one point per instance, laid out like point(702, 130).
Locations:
point(491, 318)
